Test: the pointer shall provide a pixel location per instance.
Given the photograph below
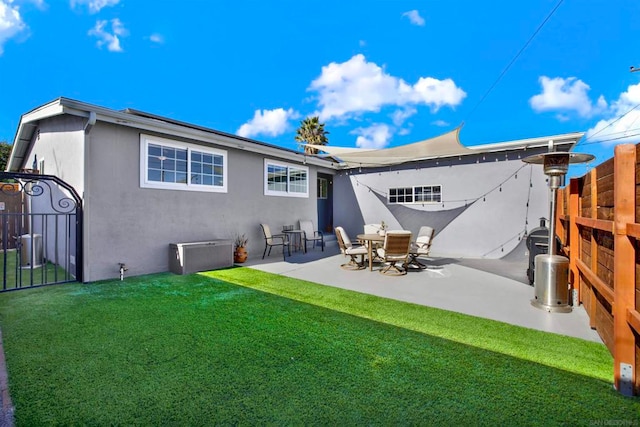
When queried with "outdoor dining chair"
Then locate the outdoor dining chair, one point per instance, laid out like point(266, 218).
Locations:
point(395, 251)
point(347, 248)
point(271, 240)
point(310, 235)
point(422, 246)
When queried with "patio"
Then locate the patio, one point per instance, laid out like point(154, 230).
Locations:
point(492, 289)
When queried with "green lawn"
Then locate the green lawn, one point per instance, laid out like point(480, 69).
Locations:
point(239, 346)
point(17, 277)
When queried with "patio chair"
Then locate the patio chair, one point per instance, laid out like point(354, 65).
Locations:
point(309, 234)
point(395, 250)
point(347, 248)
point(271, 240)
point(422, 246)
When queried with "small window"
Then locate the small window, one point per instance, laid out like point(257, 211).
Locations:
point(323, 188)
point(401, 195)
point(283, 179)
point(173, 165)
point(418, 194)
point(428, 194)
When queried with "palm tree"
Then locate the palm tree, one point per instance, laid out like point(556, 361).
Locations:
point(311, 131)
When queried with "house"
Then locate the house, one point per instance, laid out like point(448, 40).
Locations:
point(146, 181)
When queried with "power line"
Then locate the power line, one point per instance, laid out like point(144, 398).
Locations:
point(609, 125)
point(495, 83)
point(600, 141)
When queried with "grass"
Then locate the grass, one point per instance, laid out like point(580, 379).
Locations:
point(17, 277)
point(240, 346)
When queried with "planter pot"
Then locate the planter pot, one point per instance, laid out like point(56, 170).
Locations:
point(240, 255)
point(382, 232)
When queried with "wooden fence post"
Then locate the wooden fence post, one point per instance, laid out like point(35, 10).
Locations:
point(594, 246)
point(574, 237)
point(624, 268)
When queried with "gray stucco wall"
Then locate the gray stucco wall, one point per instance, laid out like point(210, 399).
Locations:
point(134, 225)
point(59, 145)
point(486, 207)
point(59, 142)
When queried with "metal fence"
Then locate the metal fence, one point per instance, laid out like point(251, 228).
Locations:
point(41, 226)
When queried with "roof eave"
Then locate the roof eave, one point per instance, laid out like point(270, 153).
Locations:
point(146, 122)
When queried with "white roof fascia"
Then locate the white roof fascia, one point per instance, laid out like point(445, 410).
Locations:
point(81, 109)
point(154, 125)
point(25, 131)
point(560, 139)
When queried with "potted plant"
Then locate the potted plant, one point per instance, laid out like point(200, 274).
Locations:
point(240, 252)
point(383, 228)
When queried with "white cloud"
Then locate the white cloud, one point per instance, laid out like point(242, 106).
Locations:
point(566, 95)
point(414, 17)
point(440, 123)
point(357, 86)
point(110, 39)
point(268, 122)
point(94, 6)
point(375, 136)
point(156, 38)
point(11, 22)
point(399, 116)
point(623, 122)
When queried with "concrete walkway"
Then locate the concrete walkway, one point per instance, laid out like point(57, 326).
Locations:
point(465, 286)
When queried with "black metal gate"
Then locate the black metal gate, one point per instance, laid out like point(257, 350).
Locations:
point(41, 231)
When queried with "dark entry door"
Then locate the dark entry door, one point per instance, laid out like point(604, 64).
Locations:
point(325, 202)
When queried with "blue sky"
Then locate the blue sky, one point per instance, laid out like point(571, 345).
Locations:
point(378, 73)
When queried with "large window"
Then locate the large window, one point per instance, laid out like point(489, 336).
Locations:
point(282, 179)
point(174, 165)
point(418, 194)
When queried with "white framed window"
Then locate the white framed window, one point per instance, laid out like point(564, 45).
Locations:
point(417, 194)
point(427, 194)
point(283, 179)
point(174, 165)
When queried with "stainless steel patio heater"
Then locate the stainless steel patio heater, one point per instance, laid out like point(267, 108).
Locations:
point(551, 279)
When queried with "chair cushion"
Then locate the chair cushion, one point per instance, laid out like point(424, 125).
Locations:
point(357, 250)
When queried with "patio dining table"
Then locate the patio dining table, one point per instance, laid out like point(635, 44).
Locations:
point(371, 239)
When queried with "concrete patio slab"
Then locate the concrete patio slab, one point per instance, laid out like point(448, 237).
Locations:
point(448, 283)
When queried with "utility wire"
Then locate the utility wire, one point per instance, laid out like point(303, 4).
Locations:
point(599, 141)
point(495, 83)
point(584, 142)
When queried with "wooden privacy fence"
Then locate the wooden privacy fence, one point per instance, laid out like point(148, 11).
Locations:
point(598, 223)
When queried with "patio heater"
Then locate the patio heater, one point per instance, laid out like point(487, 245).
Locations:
point(551, 279)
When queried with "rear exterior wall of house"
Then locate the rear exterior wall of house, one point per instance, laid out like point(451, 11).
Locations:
point(124, 222)
point(480, 205)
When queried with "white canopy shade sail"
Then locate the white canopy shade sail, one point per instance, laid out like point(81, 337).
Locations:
point(445, 145)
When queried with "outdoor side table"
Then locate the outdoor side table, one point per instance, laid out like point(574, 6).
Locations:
point(295, 238)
